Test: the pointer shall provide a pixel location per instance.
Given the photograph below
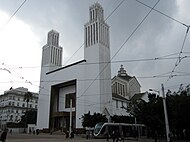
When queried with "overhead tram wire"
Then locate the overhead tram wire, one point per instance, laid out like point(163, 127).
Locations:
point(177, 85)
point(166, 57)
point(179, 57)
point(24, 80)
point(137, 77)
point(153, 76)
point(182, 72)
point(13, 15)
point(85, 41)
point(134, 60)
point(163, 14)
point(120, 47)
point(135, 30)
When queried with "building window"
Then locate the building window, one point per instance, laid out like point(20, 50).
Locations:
point(68, 97)
point(18, 99)
point(17, 104)
point(36, 106)
point(116, 103)
point(13, 103)
point(23, 105)
point(9, 103)
point(11, 118)
point(123, 90)
point(116, 86)
point(30, 105)
point(16, 118)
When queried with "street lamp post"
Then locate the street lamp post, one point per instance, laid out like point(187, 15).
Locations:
point(165, 112)
point(166, 115)
point(70, 125)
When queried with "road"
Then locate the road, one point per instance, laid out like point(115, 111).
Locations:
point(61, 138)
point(55, 138)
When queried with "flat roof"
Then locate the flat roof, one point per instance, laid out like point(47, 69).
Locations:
point(66, 66)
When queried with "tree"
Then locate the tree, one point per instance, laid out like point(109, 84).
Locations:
point(31, 117)
point(122, 119)
point(27, 97)
point(89, 120)
point(151, 114)
point(178, 111)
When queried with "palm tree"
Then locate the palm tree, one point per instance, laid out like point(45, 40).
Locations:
point(27, 97)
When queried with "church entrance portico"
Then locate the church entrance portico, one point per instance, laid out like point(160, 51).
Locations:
point(61, 94)
point(61, 121)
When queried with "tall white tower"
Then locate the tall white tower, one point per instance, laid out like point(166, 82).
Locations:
point(52, 52)
point(51, 59)
point(97, 56)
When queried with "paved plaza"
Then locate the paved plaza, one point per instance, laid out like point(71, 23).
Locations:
point(56, 138)
point(61, 138)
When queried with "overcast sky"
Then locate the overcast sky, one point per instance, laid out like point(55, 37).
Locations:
point(22, 39)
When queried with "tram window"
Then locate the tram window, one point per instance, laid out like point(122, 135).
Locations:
point(103, 130)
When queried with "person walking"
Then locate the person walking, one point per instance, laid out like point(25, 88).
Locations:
point(4, 136)
point(113, 135)
point(87, 134)
point(107, 136)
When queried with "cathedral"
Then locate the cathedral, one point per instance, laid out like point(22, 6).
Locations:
point(79, 87)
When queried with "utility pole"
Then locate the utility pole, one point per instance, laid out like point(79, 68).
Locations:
point(165, 114)
point(70, 126)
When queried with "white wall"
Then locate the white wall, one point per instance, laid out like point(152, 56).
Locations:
point(91, 95)
point(134, 87)
point(118, 110)
point(62, 93)
point(87, 98)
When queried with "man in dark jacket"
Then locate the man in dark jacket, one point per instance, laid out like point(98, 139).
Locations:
point(4, 136)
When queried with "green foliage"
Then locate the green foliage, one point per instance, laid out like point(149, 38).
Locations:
point(122, 119)
point(15, 125)
point(31, 117)
point(28, 96)
point(152, 113)
point(178, 106)
point(151, 97)
point(89, 120)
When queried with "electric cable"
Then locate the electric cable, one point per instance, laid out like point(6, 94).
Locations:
point(179, 56)
point(116, 61)
point(13, 15)
point(121, 47)
point(163, 14)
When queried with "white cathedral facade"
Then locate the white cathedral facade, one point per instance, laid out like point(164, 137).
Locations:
point(87, 82)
